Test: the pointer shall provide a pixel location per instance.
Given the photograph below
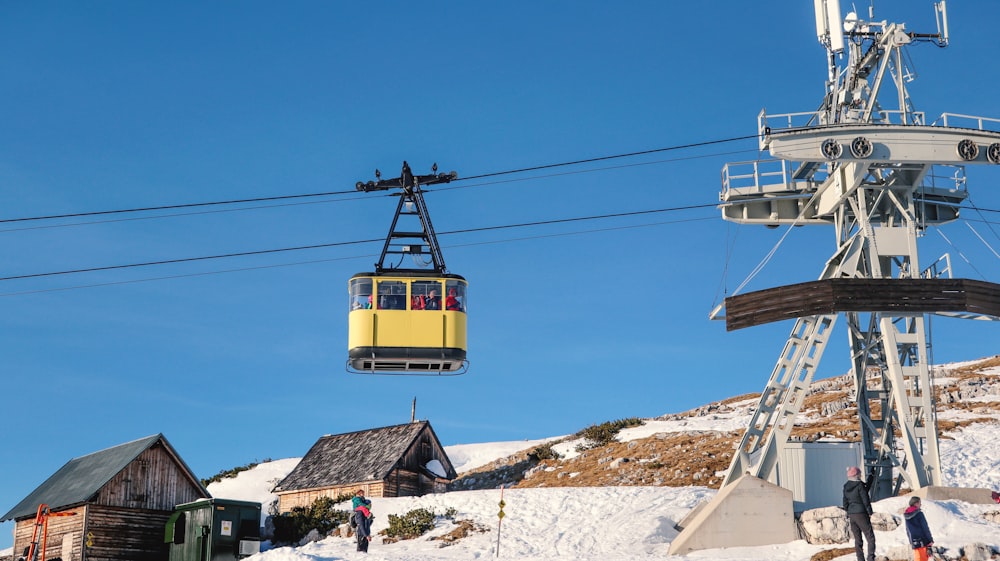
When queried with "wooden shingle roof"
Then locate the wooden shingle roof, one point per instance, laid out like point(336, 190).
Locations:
point(367, 455)
point(81, 478)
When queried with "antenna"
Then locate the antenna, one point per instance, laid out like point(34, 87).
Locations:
point(833, 19)
point(941, 16)
point(821, 27)
point(829, 30)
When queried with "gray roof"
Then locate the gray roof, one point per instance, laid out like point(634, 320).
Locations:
point(81, 478)
point(368, 455)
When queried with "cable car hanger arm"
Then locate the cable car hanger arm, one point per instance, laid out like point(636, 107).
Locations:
point(406, 181)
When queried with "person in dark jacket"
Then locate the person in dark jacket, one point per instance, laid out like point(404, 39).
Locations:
point(859, 512)
point(917, 530)
point(363, 519)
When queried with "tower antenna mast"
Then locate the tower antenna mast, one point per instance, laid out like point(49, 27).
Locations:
point(870, 165)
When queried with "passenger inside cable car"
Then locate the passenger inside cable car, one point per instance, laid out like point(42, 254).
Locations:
point(432, 302)
point(451, 302)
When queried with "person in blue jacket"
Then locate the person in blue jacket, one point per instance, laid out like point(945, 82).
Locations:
point(859, 512)
point(363, 519)
point(917, 530)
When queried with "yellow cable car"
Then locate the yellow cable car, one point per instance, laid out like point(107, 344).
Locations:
point(408, 320)
point(407, 323)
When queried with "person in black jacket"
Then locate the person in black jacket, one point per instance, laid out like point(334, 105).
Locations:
point(917, 530)
point(362, 519)
point(859, 512)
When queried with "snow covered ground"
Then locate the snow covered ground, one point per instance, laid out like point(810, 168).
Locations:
point(617, 523)
point(613, 523)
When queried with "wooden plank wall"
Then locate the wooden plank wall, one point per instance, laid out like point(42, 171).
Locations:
point(153, 481)
point(62, 531)
point(290, 500)
point(126, 534)
point(419, 453)
point(830, 296)
point(423, 449)
point(409, 483)
point(982, 297)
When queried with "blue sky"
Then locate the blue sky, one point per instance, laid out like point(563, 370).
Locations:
point(122, 105)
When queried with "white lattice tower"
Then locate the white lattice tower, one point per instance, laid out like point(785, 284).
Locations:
point(880, 176)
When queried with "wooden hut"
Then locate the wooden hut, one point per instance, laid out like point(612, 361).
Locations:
point(397, 461)
point(121, 498)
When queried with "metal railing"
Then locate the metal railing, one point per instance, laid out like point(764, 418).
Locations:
point(813, 119)
point(955, 181)
point(958, 120)
point(754, 175)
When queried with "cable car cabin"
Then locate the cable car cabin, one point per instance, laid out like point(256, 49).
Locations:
point(407, 323)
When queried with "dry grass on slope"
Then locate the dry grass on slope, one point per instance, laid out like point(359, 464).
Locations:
point(665, 459)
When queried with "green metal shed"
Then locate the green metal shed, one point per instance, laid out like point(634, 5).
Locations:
point(213, 530)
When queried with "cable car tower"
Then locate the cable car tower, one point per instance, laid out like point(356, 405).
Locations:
point(408, 316)
point(869, 164)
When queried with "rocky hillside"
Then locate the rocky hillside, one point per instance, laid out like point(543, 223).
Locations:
point(966, 393)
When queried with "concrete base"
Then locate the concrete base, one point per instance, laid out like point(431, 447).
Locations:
point(971, 495)
point(690, 516)
point(749, 512)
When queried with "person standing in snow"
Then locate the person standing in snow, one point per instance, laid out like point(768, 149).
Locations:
point(859, 512)
point(363, 519)
point(917, 530)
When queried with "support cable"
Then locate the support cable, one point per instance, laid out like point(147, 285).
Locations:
point(332, 193)
point(332, 259)
point(603, 158)
point(335, 244)
point(982, 239)
point(980, 211)
point(960, 254)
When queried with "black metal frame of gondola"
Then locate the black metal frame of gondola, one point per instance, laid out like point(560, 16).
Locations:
point(411, 192)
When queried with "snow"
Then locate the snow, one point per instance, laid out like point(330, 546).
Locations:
point(971, 457)
point(435, 467)
point(255, 484)
point(613, 523)
point(467, 457)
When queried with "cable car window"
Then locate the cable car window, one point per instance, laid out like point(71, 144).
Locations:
point(361, 294)
point(455, 300)
point(425, 295)
point(392, 295)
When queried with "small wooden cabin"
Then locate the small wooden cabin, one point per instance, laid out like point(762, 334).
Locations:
point(396, 461)
point(121, 498)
